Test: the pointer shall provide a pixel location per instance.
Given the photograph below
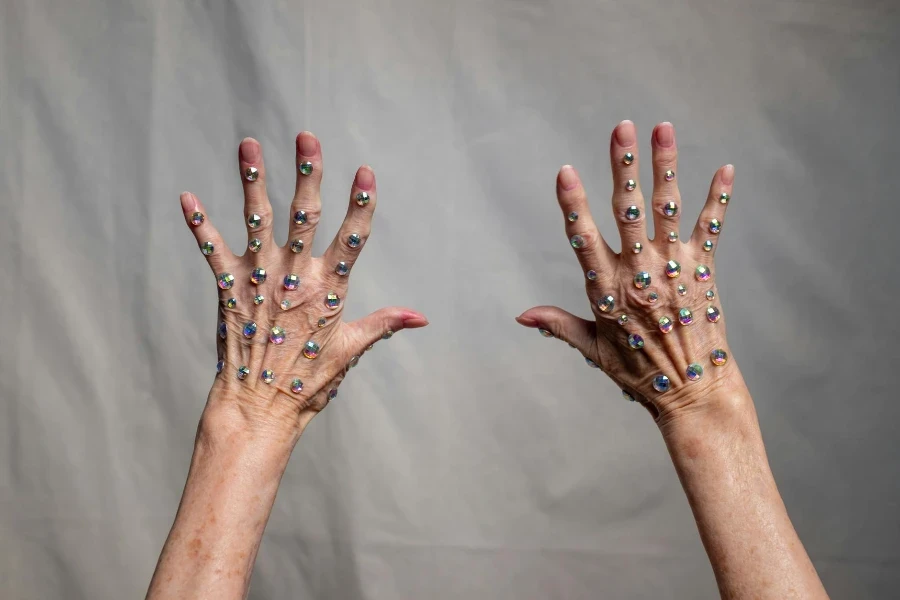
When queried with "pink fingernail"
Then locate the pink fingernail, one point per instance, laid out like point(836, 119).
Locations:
point(665, 135)
point(568, 178)
point(625, 133)
point(412, 320)
point(526, 321)
point(728, 174)
point(365, 178)
point(249, 150)
point(188, 202)
point(307, 144)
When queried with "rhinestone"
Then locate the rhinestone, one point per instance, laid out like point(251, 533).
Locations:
point(718, 357)
point(712, 314)
point(296, 386)
point(632, 213)
point(673, 236)
point(251, 173)
point(627, 396)
point(362, 198)
point(682, 289)
point(254, 221)
point(268, 376)
point(715, 226)
point(591, 363)
point(635, 341)
point(670, 175)
point(332, 300)
point(653, 297)
point(207, 248)
point(297, 246)
point(665, 324)
point(310, 350)
point(661, 383)
point(545, 333)
point(591, 275)
point(573, 216)
point(577, 241)
point(258, 275)
point(242, 372)
point(630, 185)
point(710, 295)
point(353, 240)
point(342, 269)
point(219, 366)
point(353, 362)
point(670, 209)
point(332, 393)
point(370, 346)
point(305, 168)
point(277, 335)
point(628, 158)
point(642, 280)
point(285, 304)
point(197, 219)
point(694, 371)
point(291, 282)
point(254, 245)
point(387, 335)
point(322, 322)
point(685, 316)
point(707, 246)
point(258, 299)
point(223, 330)
point(622, 319)
point(724, 197)
point(606, 304)
point(249, 329)
point(673, 269)
point(230, 303)
point(226, 280)
point(702, 273)
point(637, 247)
point(300, 217)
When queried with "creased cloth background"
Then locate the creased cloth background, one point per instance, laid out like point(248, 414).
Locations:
point(472, 459)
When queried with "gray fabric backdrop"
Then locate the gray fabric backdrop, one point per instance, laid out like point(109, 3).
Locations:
point(472, 459)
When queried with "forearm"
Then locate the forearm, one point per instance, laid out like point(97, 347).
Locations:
point(718, 452)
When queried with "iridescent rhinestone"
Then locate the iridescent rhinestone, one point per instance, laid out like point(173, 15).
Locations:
point(268, 376)
point(622, 319)
point(724, 197)
point(573, 216)
point(670, 209)
point(230, 303)
point(670, 175)
point(258, 299)
point(300, 217)
point(322, 322)
point(642, 280)
point(342, 269)
point(591, 275)
point(353, 240)
point(661, 383)
point(606, 304)
point(591, 363)
point(207, 248)
point(353, 362)
point(219, 366)
point(718, 357)
point(223, 330)
point(258, 275)
point(665, 324)
point(712, 314)
point(673, 236)
point(702, 273)
point(332, 300)
point(627, 396)
point(254, 245)
point(310, 350)
point(694, 371)
point(225, 280)
point(632, 213)
point(628, 158)
point(285, 304)
point(630, 185)
point(277, 335)
point(637, 247)
point(291, 282)
point(251, 173)
point(305, 168)
point(577, 241)
point(387, 335)
point(296, 386)
point(332, 393)
point(249, 329)
point(197, 219)
point(369, 347)
point(673, 268)
point(242, 372)
point(707, 246)
point(254, 221)
point(653, 297)
point(715, 226)
point(362, 198)
point(297, 246)
point(710, 294)
point(685, 316)
point(682, 289)
point(635, 341)
point(545, 333)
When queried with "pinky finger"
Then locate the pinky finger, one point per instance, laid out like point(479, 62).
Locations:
point(712, 217)
point(208, 239)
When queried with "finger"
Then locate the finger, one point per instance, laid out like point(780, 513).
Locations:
point(578, 332)
point(627, 199)
point(666, 197)
point(712, 217)
point(592, 251)
point(347, 244)
point(257, 210)
point(211, 244)
point(381, 324)
point(306, 207)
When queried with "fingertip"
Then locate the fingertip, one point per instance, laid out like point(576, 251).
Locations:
point(188, 201)
point(365, 178)
point(307, 144)
point(249, 150)
point(525, 320)
point(664, 135)
point(625, 133)
point(568, 178)
point(728, 174)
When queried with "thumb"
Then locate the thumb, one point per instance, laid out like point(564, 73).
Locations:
point(381, 324)
point(578, 332)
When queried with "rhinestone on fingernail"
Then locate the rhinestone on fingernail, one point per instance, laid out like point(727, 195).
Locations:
point(300, 217)
point(682, 289)
point(627, 396)
point(332, 300)
point(632, 213)
point(622, 319)
point(296, 386)
point(685, 316)
point(242, 372)
point(642, 280)
point(591, 275)
point(573, 216)
point(305, 168)
point(670, 175)
point(342, 269)
point(606, 304)
point(258, 299)
point(285, 304)
point(694, 371)
point(362, 198)
point(665, 324)
point(197, 219)
point(702, 273)
point(628, 158)
point(332, 393)
point(277, 335)
point(268, 376)
point(652, 296)
point(591, 363)
point(225, 281)
point(670, 209)
point(673, 268)
point(707, 246)
point(258, 275)
point(661, 383)
point(715, 226)
point(297, 246)
point(310, 350)
point(718, 357)
point(207, 248)
point(637, 247)
point(712, 314)
point(630, 185)
point(577, 241)
point(353, 240)
point(223, 330)
point(387, 335)
point(545, 333)
point(635, 341)
point(230, 303)
point(249, 329)
point(251, 173)
point(219, 366)
point(291, 282)
point(254, 221)
point(724, 198)
point(254, 245)
point(673, 236)
point(322, 322)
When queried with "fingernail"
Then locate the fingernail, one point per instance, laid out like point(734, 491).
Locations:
point(188, 202)
point(568, 178)
point(665, 135)
point(307, 144)
point(625, 133)
point(728, 174)
point(249, 150)
point(412, 320)
point(526, 321)
point(365, 178)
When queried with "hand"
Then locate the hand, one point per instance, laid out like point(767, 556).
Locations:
point(282, 345)
point(658, 329)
